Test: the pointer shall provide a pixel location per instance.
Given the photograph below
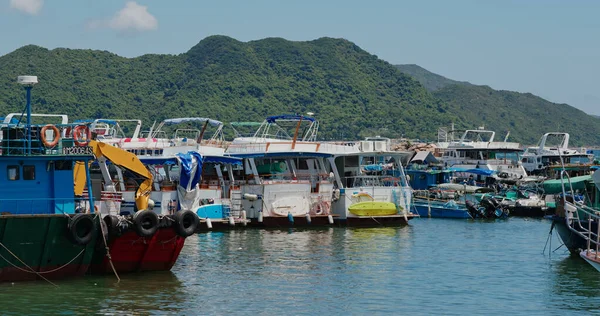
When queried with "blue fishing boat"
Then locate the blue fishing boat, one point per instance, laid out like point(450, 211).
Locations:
point(45, 231)
point(440, 209)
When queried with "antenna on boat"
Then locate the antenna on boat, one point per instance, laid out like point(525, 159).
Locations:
point(28, 82)
point(506, 137)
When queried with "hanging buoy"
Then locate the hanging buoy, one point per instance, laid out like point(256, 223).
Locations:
point(244, 218)
point(330, 218)
point(290, 218)
point(308, 219)
point(260, 216)
point(231, 222)
point(208, 223)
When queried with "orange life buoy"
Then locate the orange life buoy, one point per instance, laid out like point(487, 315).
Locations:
point(79, 132)
point(56, 138)
point(68, 132)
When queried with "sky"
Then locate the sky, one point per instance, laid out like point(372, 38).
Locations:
point(547, 47)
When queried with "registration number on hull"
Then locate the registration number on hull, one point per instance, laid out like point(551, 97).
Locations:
point(75, 150)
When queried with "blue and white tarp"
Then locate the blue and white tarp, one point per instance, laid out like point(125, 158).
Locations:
point(190, 173)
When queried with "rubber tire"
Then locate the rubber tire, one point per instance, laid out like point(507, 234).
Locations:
point(186, 223)
point(82, 223)
point(111, 223)
point(145, 223)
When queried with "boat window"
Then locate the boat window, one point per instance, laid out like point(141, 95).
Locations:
point(13, 173)
point(28, 172)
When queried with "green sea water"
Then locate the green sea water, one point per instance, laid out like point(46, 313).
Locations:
point(431, 267)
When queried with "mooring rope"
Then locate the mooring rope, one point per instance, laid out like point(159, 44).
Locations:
point(25, 264)
point(108, 251)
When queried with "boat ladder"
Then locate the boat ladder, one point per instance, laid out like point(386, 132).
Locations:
point(235, 203)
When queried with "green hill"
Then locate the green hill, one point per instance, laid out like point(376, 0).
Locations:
point(352, 92)
point(525, 115)
point(428, 79)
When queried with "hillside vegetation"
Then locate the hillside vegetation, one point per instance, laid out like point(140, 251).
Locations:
point(352, 93)
point(525, 115)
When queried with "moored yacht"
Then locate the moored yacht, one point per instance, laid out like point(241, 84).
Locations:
point(551, 148)
point(476, 149)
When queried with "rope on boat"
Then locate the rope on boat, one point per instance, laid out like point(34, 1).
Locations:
point(25, 264)
point(108, 251)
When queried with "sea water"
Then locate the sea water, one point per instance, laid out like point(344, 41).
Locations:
point(432, 266)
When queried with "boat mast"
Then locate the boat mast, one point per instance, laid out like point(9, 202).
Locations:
point(28, 82)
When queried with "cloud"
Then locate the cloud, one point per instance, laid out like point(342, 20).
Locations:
point(132, 18)
point(31, 7)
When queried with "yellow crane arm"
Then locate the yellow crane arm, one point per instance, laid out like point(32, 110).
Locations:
point(121, 158)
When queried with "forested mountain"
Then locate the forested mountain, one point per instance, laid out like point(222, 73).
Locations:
point(352, 93)
point(525, 115)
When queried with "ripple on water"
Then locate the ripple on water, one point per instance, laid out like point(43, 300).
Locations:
point(433, 266)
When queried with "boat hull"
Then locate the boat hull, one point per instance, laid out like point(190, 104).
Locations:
point(298, 221)
point(440, 212)
point(375, 221)
point(132, 253)
point(42, 243)
point(591, 258)
point(572, 241)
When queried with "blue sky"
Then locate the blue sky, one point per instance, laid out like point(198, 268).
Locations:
point(546, 47)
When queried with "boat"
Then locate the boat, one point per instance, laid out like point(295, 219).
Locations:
point(283, 180)
point(477, 149)
point(576, 215)
point(139, 239)
point(553, 150)
point(369, 167)
point(216, 200)
point(440, 208)
point(46, 232)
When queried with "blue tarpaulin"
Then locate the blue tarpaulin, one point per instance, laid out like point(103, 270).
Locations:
point(190, 165)
point(481, 172)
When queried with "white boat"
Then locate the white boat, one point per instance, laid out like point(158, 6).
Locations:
point(284, 179)
point(213, 198)
point(476, 149)
point(370, 167)
point(548, 152)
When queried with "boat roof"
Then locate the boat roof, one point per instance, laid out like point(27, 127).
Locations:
point(289, 117)
point(283, 154)
point(193, 119)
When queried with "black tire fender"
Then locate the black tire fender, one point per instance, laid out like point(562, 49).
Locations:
point(145, 223)
point(112, 225)
point(185, 223)
point(82, 228)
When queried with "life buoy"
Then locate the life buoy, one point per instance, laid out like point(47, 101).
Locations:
point(145, 223)
point(56, 138)
point(79, 132)
point(185, 223)
point(82, 228)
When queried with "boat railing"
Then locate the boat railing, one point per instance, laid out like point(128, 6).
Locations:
point(15, 143)
point(379, 181)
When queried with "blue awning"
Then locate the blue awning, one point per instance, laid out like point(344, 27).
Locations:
point(193, 119)
point(481, 172)
point(223, 160)
point(289, 117)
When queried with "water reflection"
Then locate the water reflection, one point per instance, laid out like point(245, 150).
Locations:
point(575, 284)
point(136, 294)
